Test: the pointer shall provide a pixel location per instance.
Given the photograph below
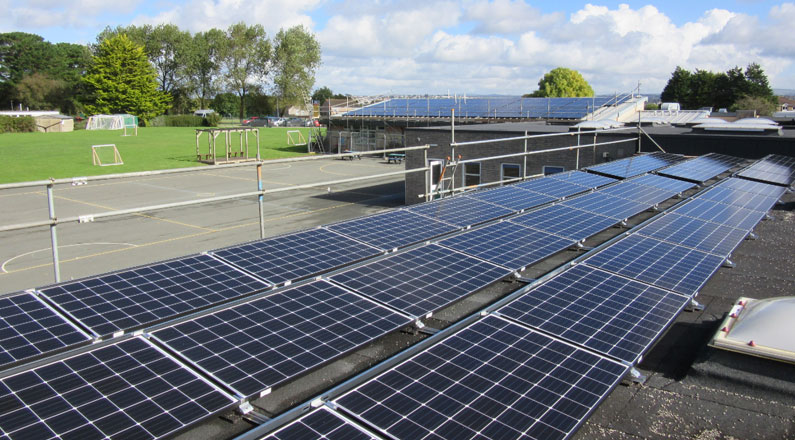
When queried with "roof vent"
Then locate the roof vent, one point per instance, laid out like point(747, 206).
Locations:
point(760, 327)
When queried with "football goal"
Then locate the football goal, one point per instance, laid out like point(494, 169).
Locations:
point(112, 122)
point(106, 155)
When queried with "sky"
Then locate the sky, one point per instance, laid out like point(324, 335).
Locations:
point(469, 47)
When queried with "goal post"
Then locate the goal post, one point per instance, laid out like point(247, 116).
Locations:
point(106, 155)
point(295, 138)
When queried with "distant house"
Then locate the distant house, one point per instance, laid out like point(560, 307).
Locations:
point(786, 103)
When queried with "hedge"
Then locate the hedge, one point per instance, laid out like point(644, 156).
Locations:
point(211, 120)
point(23, 124)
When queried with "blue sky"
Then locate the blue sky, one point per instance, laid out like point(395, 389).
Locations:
point(472, 46)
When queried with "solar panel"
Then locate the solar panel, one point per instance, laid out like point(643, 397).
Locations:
point(773, 168)
point(422, 280)
point(460, 211)
point(133, 298)
point(656, 262)
point(672, 185)
point(613, 315)
point(513, 198)
point(608, 206)
point(256, 345)
point(643, 194)
point(494, 379)
point(636, 165)
point(752, 187)
point(740, 199)
point(29, 328)
point(695, 233)
point(129, 389)
point(582, 178)
point(321, 423)
point(552, 187)
point(295, 256)
point(702, 168)
point(721, 213)
point(392, 229)
point(508, 244)
point(565, 221)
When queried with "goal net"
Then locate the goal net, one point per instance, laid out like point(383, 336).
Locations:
point(111, 122)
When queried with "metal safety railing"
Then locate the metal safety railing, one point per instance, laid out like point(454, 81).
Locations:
point(53, 221)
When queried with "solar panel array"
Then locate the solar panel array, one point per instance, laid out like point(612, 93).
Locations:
point(698, 234)
point(131, 299)
point(422, 280)
point(321, 424)
point(613, 315)
point(460, 211)
point(607, 205)
point(721, 213)
point(513, 198)
point(258, 344)
point(129, 389)
point(773, 168)
point(295, 256)
point(392, 229)
point(494, 379)
point(29, 328)
point(553, 187)
point(566, 221)
point(508, 244)
point(507, 107)
point(702, 168)
point(636, 165)
point(582, 178)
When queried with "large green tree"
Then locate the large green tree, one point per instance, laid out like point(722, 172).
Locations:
point(204, 64)
point(296, 57)
point(322, 94)
point(246, 59)
point(562, 83)
point(121, 80)
point(703, 88)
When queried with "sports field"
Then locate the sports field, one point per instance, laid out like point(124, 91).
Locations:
point(38, 156)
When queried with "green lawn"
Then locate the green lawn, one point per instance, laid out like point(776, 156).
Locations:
point(38, 156)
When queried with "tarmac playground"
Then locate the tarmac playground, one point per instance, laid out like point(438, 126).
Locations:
point(117, 243)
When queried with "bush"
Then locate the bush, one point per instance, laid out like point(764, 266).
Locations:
point(24, 124)
point(211, 120)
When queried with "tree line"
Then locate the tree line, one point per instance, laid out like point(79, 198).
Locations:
point(734, 89)
point(155, 69)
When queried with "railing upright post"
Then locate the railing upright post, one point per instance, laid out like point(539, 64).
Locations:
point(427, 175)
point(524, 158)
point(261, 202)
point(56, 264)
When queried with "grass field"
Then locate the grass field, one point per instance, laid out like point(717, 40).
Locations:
point(38, 156)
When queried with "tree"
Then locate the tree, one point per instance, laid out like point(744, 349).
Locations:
point(121, 80)
point(322, 94)
point(204, 64)
point(40, 92)
point(762, 105)
point(296, 59)
point(722, 90)
point(678, 87)
point(757, 82)
point(562, 82)
point(246, 58)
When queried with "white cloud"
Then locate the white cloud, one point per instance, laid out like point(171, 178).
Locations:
point(507, 17)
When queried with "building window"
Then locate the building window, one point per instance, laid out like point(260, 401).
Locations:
point(549, 169)
point(510, 171)
point(472, 174)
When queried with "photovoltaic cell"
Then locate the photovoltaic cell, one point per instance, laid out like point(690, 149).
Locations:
point(508, 244)
point(513, 198)
point(613, 315)
point(606, 205)
point(776, 169)
point(636, 165)
point(125, 390)
point(137, 297)
point(29, 328)
point(256, 345)
point(740, 199)
point(721, 213)
point(295, 256)
point(322, 424)
point(695, 233)
point(643, 194)
point(552, 187)
point(392, 229)
point(588, 180)
point(494, 379)
point(750, 186)
point(656, 262)
point(672, 185)
point(702, 168)
point(565, 221)
point(460, 211)
point(422, 280)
